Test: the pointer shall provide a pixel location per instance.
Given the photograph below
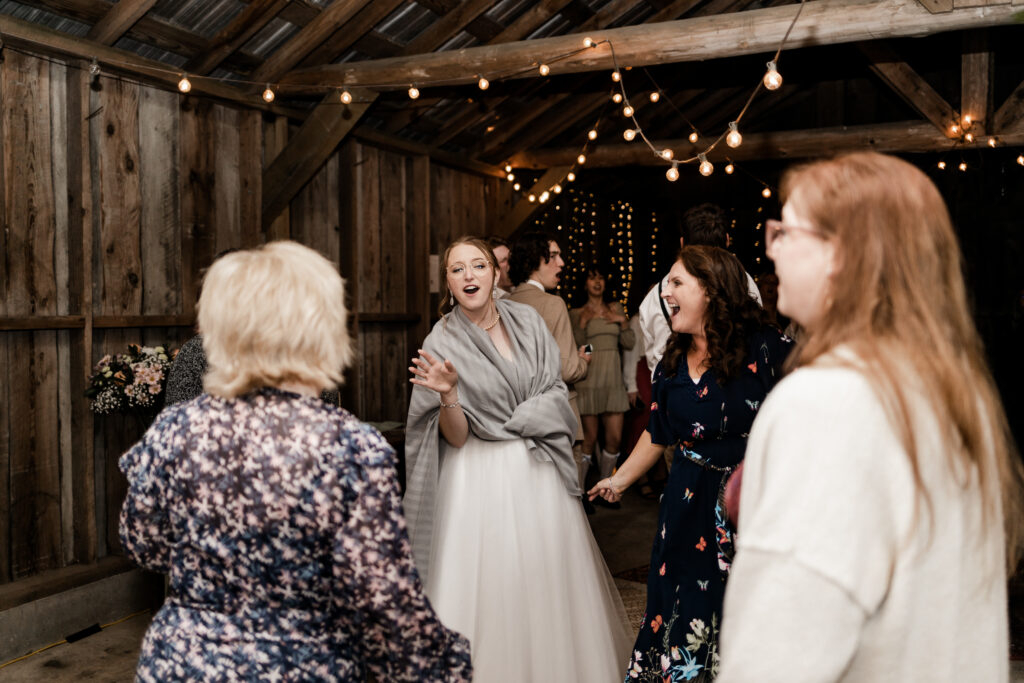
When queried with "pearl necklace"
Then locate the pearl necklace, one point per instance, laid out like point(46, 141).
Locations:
point(497, 317)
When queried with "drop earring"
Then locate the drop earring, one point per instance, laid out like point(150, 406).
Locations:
point(451, 300)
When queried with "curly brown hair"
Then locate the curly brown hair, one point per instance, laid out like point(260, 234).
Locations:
point(732, 316)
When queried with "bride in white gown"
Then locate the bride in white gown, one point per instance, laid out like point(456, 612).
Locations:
point(499, 534)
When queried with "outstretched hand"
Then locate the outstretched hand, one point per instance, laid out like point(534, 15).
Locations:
point(606, 490)
point(429, 372)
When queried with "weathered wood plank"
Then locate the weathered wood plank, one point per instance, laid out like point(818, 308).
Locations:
point(699, 38)
point(351, 32)
point(197, 177)
point(446, 27)
point(529, 21)
point(250, 177)
point(118, 20)
point(1010, 114)
point(350, 174)
point(976, 78)
point(5, 459)
point(417, 226)
point(227, 231)
point(34, 454)
point(275, 135)
point(906, 83)
point(393, 269)
point(160, 218)
point(315, 141)
point(371, 293)
point(233, 36)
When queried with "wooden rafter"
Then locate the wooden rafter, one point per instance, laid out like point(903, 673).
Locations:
point(307, 39)
point(822, 21)
point(445, 28)
point(305, 153)
point(906, 83)
point(243, 27)
point(118, 19)
point(975, 83)
point(529, 21)
point(584, 108)
point(524, 208)
point(1011, 114)
point(351, 32)
point(911, 136)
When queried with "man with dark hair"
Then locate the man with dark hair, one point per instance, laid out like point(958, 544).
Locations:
point(703, 224)
point(501, 254)
point(535, 266)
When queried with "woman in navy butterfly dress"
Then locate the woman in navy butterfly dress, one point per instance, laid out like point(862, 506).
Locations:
point(277, 516)
point(720, 363)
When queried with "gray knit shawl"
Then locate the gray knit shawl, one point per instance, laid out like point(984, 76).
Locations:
point(525, 398)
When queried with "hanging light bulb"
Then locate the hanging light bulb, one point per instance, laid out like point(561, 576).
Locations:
point(571, 177)
point(588, 42)
point(511, 177)
point(766, 192)
point(666, 154)
point(1020, 160)
point(706, 168)
point(729, 168)
point(655, 96)
point(673, 173)
point(557, 189)
point(483, 83)
point(544, 69)
point(592, 134)
point(346, 97)
point(962, 166)
point(942, 165)
point(184, 85)
point(581, 159)
point(693, 137)
point(413, 92)
point(616, 76)
point(617, 97)
point(544, 196)
point(627, 111)
point(508, 168)
point(733, 139)
point(629, 134)
point(968, 137)
point(516, 187)
point(991, 142)
point(772, 79)
point(954, 129)
point(94, 68)
point(268, 95)
point(532, 198)
point(967, 120)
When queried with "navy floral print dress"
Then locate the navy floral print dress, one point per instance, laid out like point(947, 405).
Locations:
point(279, 521)
point(693, 545)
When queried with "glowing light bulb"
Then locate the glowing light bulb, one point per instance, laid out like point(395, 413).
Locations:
point(969, 138)
point(511, 177)
point(729, 168)
point(588, 42)
point(557, 189)
point(413, 92)
point(766, 192)
point(666, 154)
point(991, 142)
point(942, 165)
point(627, 111)
point(508, 168)
point(581, 159)
point(962, 166)
point(94, 68)
point(592, 134)
point(733, 139)
point(516, 187)
point(706, 168)
point(346, 97)
point(772, 79)
point(693, 137)
point(544, 196)
point(655, 96)
point(184, 85)
point(532, 198)
point(268, 95)
point(617, 97)
point(571, 177)
point(629, 134)
point(954, 129)
point(544, 69)
point(483, 83)
point(1020, 160)
point(967, 120)
point(673, 173)
point(616, 76)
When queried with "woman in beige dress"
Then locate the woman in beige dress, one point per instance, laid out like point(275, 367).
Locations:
point(601, 394)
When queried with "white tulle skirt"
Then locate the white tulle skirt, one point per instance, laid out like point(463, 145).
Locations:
point(515, 568)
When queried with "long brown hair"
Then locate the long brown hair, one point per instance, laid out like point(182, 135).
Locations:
point(898, 299)
point(731, 318)
point(446, 296)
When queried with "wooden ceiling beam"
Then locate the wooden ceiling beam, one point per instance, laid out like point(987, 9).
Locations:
point(307, 151)
point(585, 107)
point(1011, 114)
point(248, 23)
point(529, 21)
point(908, 136)
point(118, 19)
point(906, 83)
point(444, 29)
point(975, 83)
point(307, 39)
point(700, 38)
point(346, 36)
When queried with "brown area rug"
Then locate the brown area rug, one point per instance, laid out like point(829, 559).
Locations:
point(634, 599)
point(638, 574)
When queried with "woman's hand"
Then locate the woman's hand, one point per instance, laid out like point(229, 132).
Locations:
point(607, 490)
point(440, 376)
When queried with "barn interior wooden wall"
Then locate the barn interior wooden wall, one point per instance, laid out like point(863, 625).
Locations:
point(115, 197)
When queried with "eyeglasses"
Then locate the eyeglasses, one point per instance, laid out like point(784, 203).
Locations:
point(776, 231)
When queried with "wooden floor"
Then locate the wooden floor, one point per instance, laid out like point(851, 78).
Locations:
point(110, 655)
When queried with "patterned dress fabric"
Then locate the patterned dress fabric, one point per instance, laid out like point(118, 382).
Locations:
point(693, 544)
point(278, 519)
point(602, 390)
